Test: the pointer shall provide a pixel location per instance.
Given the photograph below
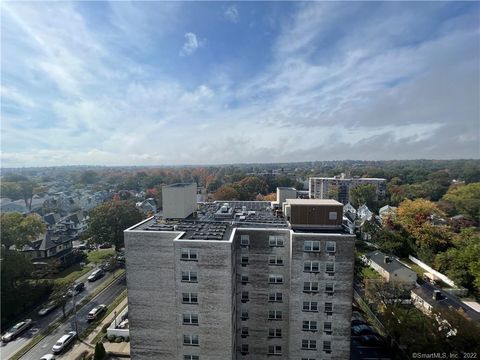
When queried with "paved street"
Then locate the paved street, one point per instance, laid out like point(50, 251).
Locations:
point(45, 346)
point(9, 349)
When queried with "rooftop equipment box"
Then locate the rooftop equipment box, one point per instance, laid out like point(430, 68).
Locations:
point(179, 200)
point(314, 213)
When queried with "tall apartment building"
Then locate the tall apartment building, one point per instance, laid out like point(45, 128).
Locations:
point(340, 187)
point(237, 282)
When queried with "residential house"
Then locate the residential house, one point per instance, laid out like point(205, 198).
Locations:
point(51, 220)
point(387, 212)
point(390, 268)
point(49, 246)
point(147, 206)
point(73, 224)
point(7, 205)
point(428, 297)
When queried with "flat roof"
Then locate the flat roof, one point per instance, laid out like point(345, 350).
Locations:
point(314, 202)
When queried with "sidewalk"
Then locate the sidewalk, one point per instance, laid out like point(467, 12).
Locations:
point(120, 349)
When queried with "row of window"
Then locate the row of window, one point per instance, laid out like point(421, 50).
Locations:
point(278, 241)
point(277, 349)
point(313, 287)
point(308, 325)
point(310, 306)
point(308, 266)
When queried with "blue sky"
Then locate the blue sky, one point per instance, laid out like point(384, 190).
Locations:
point(150, 83)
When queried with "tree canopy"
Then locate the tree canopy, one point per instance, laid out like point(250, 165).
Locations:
point(364, 194)
point(18, 230)
point(108, 221)
point(465, 199)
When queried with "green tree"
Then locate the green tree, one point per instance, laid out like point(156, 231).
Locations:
point(465, 199)
point(18, 230)
point(364, 194)
point(100, 352)
point(21, 189)
point(88, 177)
point(108, 221)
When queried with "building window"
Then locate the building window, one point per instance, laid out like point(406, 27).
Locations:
point(330, 268)
point(327, 346)
point(329, 308)
point(309, 359)
point(329, 288)
point(309, 325)
point(244, 331)
point(191, 340)
point(244, 240)
point(244, 260)
point(244, 278)
point(275, 240)
point(244, 296)
point(275, 297)
point(274, 333)
point(274, 350)
point(311, 266)
point(275, 260)
point(244, 349)
point(309, 344)
point(189, 276)
point(327, 327)
point(274, 315)
point(244, 315)
point(191, 357)
point(310, 306)
point(190, 298)
point(310, 286)
point(275, 279)
point(330, 247)
point(190, 319)
point(311, 246)
point(189, 255)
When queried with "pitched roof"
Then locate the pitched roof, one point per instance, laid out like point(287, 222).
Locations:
point(446, 301)
point(391, 265)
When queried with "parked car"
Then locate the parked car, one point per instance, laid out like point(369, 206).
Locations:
point(105, 246)
point(357, 318)
point(372, 340)
point(76, 289)
point(64, 342)
point(48, 308)
point(96, 312)
point(16, 330)
point(362, 330)
point(48, 357)
point(97, 274)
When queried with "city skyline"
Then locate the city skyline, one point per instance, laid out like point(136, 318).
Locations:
point(216, 83)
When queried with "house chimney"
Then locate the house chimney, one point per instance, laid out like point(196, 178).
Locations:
point(387, 260)
point(437, 295)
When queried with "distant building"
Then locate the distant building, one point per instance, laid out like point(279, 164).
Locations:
point(390, 268)
point(238, 282)
point(339, 187)
point(387, 212)
point(49, 246)
point(7, 205)
point(147, 206)
point(284, 193)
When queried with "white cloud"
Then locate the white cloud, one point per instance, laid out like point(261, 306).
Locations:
point(192, 43)
point(232, 14)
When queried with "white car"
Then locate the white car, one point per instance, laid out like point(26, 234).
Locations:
point(48, 357)
point(16, 330)
point(63, 342)
point(96, 312)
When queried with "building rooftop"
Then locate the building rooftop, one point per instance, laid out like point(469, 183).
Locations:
point(178, 185)
point(210, 223)
point(314, 202)
point(390, 265)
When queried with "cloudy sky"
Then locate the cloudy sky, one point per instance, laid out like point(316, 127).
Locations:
point(149, 83)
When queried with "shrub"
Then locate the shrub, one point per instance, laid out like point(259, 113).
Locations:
point(119, 339)
point(111, 338)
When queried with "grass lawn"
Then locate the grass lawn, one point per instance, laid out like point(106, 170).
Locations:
point(70, 274)
point(369, 273)
point(98, 256)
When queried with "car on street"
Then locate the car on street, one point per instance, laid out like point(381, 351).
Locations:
point(48, 357)
point(64, 342)
point(16, 330)
point(76, 289)
point(363, 329)
point(96, 312)
point(97, 274)
point(48, 308)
